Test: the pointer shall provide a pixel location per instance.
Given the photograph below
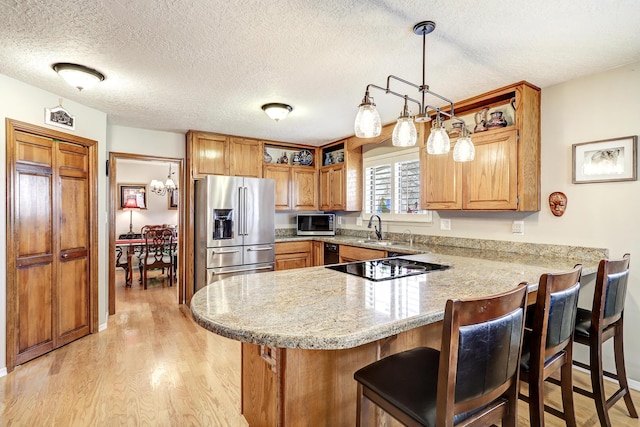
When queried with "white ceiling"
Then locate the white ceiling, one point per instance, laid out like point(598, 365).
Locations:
point(210, 64)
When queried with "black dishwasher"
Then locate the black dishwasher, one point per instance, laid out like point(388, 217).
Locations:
point(331, 253)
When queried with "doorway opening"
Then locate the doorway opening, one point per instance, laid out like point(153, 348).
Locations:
point(128, 172)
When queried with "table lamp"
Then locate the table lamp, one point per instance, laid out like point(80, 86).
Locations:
point(130, 205)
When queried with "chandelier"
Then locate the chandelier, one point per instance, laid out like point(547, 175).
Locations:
point(161, 189)
point(367, 123)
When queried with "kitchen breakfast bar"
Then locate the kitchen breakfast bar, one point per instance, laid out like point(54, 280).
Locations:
point(304, 332)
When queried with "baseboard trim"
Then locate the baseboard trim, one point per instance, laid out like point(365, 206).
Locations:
point(634, 385)
point(3, 372)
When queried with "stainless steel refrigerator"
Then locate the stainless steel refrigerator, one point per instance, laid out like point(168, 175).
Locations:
point(234, 227)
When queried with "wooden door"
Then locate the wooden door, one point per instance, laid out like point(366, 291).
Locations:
point(34, 247)
point(304, 188)
point(72, 294)
point(51, 269)
point(245, 157)
point(280, 173)
point(490, 181)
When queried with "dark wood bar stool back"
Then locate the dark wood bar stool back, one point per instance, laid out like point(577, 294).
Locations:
point(474, 378)
point(603, 322)
point(548, 344)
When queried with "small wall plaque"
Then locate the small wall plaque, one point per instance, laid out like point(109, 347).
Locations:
point(60, 117)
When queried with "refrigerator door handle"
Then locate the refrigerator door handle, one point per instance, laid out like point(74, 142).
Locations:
point(259, 249)
point(224, 252)
point(246, 200)
point(241, 213)
point(248, 269)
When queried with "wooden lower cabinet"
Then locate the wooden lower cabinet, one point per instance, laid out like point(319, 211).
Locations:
point(318, 253)
point(297, 387)
point(353, 253)
point(291, 255)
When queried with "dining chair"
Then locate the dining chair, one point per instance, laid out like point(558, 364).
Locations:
point(158, 253)
point(141, 250)
point(473, 380)
point(123, 262)
point(596, 326)
point(548, 343)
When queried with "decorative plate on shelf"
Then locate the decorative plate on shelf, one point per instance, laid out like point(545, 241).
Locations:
point(306, 157)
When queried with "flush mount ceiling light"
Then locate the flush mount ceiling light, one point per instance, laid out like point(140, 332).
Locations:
point(367, 123)
point(78, 76)
point(276, 110)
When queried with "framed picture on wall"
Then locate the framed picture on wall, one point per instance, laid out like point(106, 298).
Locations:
point(605, 161)
point(173, 199)
point(136, 192)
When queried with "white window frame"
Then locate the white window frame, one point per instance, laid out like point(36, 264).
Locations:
point(391, 159)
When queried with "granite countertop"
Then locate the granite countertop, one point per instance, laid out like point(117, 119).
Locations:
point(319, 308)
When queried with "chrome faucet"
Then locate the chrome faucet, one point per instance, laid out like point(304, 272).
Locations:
point(378, 231)
point(410, 236)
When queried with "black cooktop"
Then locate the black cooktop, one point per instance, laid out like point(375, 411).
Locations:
point(387, 269)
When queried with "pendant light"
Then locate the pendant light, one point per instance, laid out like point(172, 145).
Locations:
point(161, 189)
point(367, 122)
point(464, 151)
point(438, 142)
point(404, 133)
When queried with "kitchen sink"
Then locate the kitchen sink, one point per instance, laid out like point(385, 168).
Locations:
point(378, 242)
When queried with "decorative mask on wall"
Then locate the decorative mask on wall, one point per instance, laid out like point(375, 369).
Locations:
point(557, 203)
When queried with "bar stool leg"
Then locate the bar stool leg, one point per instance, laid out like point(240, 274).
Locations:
point(536, 403)
point(597, 379)
point(566, 386)
point(618, 349)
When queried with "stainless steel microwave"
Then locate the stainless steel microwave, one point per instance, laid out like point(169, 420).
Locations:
point(316, 225)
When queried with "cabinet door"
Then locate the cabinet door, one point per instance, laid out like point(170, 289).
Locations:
point(325, 189)
point(304, 188)
point(293, 255)
point(245, 157)
point(318, 253)
point(210, 155)
point(442, 181)
point(337, 189)
point(490, 181)
point(354, 253)
point(281, 175)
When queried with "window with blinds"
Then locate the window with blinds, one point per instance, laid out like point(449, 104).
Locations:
point(407, 187)
point(378, 189)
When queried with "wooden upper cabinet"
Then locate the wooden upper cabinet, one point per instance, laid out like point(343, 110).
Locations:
point(208, 154)
point(490, 181)
point(505, 174)
point(304, 188)
point(341, 177)
point(294, 168)
point(245, 157)
point(280, 173)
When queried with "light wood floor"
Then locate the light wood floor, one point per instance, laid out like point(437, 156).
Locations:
point(154, 366)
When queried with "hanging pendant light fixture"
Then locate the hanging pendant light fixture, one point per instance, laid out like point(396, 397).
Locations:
point(464, 151)
point(404, 133)
point(367, 123)
point(161, 189)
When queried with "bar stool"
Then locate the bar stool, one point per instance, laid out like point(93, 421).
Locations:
point(593, 328)
point(473, 379)
point(548, 344)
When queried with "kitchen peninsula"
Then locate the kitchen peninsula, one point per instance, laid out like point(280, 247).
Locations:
point(305, 331)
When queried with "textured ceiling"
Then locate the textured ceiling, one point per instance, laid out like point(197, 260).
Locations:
point(209, 65)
